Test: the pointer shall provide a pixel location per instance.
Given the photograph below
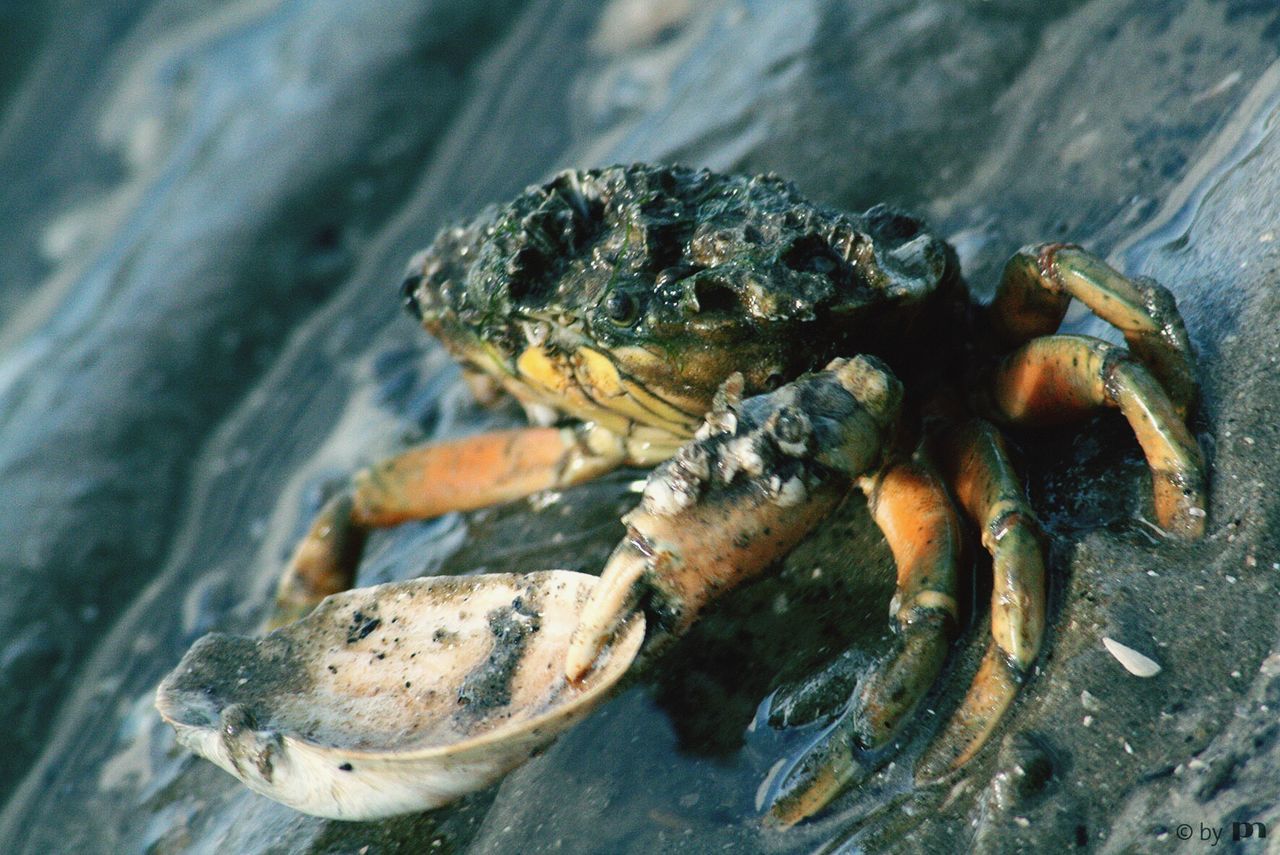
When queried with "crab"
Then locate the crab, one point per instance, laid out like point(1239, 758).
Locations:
point(768, 356)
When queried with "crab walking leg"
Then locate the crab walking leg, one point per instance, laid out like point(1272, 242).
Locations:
point(1040, 281)
point(1058, 378)
point(759, 476)
point(922, 528)
point(428, 481)
point(977, 465)
point(912, 508)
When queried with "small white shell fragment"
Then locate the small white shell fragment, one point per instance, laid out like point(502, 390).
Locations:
point(395, 698)
point(664, 497)
point(1137, 664)
point(791, 493)
point(745, 452)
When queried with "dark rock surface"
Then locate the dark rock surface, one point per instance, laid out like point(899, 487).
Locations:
point(208, 207)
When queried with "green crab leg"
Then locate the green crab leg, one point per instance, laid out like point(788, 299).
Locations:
point(1040, 281)
point(1058, 378)
point(976, 464)
point(428, 481)
point(912, 509)
point(759, 475)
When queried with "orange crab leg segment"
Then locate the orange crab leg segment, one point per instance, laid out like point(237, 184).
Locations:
point(922, 528)
point(428, 481)
point(470, 473)
point(977, 465)
point(1040, 281)
point(1062, 377)
point(911, 507)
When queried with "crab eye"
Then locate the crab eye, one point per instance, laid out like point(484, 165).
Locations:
point(621, 308)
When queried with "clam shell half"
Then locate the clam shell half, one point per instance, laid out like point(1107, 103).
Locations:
point(395, 698)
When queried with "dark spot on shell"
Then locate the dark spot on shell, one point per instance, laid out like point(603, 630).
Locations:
point(346, 767)
point(228, 682)
point(528, 270)
point(236, 719)
point(488, 686)
point(265, 760)
point(713, 296)
point(812, 254)
point(361, 626)
point(891, 226)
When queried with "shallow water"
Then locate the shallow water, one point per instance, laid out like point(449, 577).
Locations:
point(210, 209)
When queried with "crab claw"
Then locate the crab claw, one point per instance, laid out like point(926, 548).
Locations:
point(758, 476)
point(672, 564)
point(613, 602)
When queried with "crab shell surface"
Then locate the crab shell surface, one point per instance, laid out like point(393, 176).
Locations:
point(395, 698)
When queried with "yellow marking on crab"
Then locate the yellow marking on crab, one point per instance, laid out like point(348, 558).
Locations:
point(631, 397)
point(649, 446)
point(635, 409)
point(669, 413)
point(537, 367)
point(551, 379)
point(670, 416)
point(589, 385)
point(596, 372)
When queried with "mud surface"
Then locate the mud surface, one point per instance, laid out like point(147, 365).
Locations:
point(208, 208)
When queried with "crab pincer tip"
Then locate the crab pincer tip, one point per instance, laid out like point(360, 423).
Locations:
point(612, 603)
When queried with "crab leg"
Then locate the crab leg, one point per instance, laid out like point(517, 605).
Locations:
point(428, 481)
point(1040, 281)
point(912, 508)
point(1057, 378)
point(977, 465)
point(757, 478)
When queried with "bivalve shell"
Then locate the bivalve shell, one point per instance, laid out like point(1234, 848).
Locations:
point(395, 698)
